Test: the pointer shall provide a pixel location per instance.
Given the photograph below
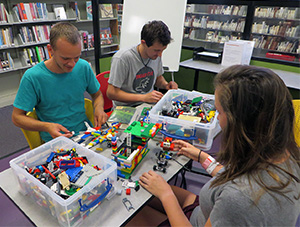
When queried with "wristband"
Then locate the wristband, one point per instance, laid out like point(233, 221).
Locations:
point(207, 162)
point(212, 167)
point(199, 156)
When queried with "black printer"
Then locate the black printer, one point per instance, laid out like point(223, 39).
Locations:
point(200, 53)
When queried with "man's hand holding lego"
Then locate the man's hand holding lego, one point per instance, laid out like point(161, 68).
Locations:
point(100, 117)
point(172, 85)
point(153, 96)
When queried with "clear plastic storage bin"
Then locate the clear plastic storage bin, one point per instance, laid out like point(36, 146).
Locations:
point(204, 132)
point(70, 211)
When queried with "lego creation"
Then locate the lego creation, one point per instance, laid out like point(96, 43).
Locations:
point(134, 147)
point(164, 155)
point(94, 136)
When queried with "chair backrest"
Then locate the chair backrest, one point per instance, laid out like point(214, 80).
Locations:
point(33, 137)
point(89, 110)
point(103, 80)
point(296, 104)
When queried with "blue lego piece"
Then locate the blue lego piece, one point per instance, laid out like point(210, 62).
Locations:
point(74, 173)
point(120, 174)
point(51, 156)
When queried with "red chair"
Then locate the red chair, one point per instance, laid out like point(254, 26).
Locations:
point(103, 80)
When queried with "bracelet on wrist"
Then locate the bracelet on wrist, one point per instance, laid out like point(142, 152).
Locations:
point(199, 156)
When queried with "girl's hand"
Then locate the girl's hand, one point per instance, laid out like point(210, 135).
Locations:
point(155, 184)
point(186, 149)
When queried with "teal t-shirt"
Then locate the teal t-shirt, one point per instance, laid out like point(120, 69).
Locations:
point(57, 98)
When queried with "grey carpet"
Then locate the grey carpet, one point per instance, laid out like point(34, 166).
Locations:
point(12, 139)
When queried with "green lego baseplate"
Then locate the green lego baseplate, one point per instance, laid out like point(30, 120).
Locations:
point(137, 129)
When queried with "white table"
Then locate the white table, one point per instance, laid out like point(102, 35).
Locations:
point(111, 212)
point(291, 79)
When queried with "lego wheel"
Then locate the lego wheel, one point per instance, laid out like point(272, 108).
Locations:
point(109, 145)
point(154, 168)
point(164, 170)
point(166, 163)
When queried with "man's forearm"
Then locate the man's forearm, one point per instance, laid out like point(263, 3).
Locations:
point(122, 96)
point(161, 82)
point(30, 124)
point(98, 101)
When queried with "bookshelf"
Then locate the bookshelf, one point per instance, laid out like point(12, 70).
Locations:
point(274, 26)
point(22, 36)
point(210, 25)
point(276, 32)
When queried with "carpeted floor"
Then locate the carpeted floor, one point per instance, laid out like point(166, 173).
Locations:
point(12, 139)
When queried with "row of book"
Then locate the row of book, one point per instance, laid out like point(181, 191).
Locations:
point(6, 37)
point(277, 12)
point(282, 29)
point(210, 36)
point(3, 14)
point(106, 37)
point(38, 33)
point(41, 33)
point(232, 25)
point(87, 40)
point(34, 55)
point(30, 11)
point(106, 10)
point(6, 61)
point(218, 9)
point(277, 43)
point(25, 12)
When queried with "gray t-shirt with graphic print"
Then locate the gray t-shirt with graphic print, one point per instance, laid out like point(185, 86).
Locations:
point(131, 75)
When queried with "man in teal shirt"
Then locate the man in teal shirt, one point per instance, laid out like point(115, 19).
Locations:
point(55, 88)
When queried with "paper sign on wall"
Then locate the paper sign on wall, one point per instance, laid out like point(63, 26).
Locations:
point(237, 52)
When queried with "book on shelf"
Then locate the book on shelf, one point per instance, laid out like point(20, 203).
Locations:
point(39, 10)
point(89, 15)
point(18, 12)
point(84, 38)
point(60, 12)
point(3, 14)
point(90, 41)
point(106, 10)
point(28, 12)
point(10, 61)
point(1, 39)
point(74, 7)
point(32, 11)
point(32, 55)
point(44, 10)
point(22, 11)
point(46, 51)
point(4, 61)
point(6, 37)
point(35, 55)
point(25, 58)
point(123, 115)
point(38, 54)
point(106, 36)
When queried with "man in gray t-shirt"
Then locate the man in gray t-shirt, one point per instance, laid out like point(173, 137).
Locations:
point(134, 72)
